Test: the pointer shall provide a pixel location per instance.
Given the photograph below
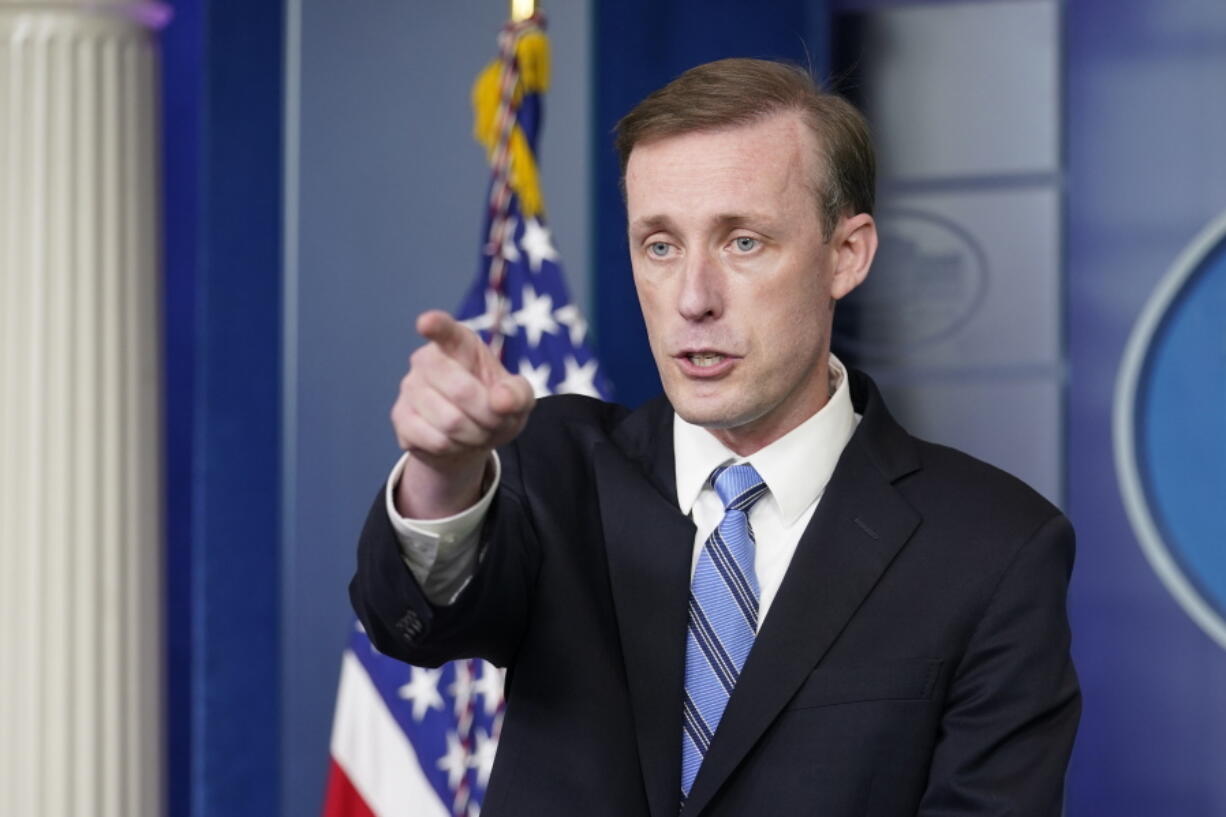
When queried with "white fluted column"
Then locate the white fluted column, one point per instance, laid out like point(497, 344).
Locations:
point(81, 603)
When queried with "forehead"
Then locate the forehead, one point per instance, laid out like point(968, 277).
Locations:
point(767, 163)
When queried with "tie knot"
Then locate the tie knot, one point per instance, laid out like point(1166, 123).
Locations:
point(739, 486)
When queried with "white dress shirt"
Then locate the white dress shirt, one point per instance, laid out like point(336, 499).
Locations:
point(796, 469)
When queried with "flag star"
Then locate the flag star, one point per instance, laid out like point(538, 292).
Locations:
point(538, 376)
point(570, 316)
point(483, 757)
point(535, 315)
point(494, 302)
point(422, 690)
point(509, 251)
point(454, 762)
point(489, 687)
point(462, 687)
point(579, 379)
point(537, 244)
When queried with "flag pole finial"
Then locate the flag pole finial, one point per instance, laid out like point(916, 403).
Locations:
point(522, 10)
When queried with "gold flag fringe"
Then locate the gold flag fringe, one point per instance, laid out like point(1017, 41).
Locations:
point(532, 57)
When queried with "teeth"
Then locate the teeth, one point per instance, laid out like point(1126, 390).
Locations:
point(705, 360)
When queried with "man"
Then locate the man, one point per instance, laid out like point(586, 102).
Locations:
point(846, 621)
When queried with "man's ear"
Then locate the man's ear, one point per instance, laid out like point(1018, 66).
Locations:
point(855, 245)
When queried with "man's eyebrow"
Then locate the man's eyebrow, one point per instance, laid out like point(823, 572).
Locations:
point(741, 219)
point(651, 224)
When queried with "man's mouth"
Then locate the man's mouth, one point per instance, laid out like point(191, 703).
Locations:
point(705, 359)
point(705, 364)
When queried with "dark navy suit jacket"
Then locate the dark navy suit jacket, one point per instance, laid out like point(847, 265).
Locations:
point(915, 660)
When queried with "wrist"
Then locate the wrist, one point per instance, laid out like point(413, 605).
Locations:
point(437, 487)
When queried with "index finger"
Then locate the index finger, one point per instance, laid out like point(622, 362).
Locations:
point(453, 338)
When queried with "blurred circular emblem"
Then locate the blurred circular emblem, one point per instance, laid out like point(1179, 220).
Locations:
point(928, 279)
point(1170, 430)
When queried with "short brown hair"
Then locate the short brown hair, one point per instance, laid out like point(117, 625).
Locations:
point(731, 92)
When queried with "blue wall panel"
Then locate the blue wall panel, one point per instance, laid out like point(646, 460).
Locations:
point(960, 321)
point(1146, 118)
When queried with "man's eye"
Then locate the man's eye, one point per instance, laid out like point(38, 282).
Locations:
point(658, 248)
point(745, 243)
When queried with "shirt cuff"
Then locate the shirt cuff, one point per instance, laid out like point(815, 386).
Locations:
point(440, 552)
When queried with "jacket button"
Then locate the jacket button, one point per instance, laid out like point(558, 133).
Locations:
point(410, 625)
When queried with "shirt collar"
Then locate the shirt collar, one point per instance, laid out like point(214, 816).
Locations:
point(796, 467)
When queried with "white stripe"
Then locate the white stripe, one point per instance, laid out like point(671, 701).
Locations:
point(375, 753)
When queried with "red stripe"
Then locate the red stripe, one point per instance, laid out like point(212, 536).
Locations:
point(342, 799)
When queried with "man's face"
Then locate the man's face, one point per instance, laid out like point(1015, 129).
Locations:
point(733, 276)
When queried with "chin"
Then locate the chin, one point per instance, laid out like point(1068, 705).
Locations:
point(708, 415)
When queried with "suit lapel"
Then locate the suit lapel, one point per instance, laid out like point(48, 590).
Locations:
point(860, 525)
point(649, 545)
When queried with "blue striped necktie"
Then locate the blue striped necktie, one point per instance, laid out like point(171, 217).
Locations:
point(723, 616)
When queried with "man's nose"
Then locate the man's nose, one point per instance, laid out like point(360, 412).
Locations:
point(701, 296)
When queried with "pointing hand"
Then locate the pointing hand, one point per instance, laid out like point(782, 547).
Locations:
point(456, 404)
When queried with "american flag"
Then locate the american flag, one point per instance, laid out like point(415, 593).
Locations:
point(416, 742)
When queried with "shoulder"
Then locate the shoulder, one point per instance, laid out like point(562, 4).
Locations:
point(942, 483)
point(978, 523)
point(957, 482)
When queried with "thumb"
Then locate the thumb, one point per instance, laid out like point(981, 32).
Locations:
point(512, 395)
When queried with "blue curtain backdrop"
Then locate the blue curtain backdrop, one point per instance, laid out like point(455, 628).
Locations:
point(221, 124)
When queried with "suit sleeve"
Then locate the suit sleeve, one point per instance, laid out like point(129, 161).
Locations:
point(486, 620)
point(440, 553)
point(1014, 701)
